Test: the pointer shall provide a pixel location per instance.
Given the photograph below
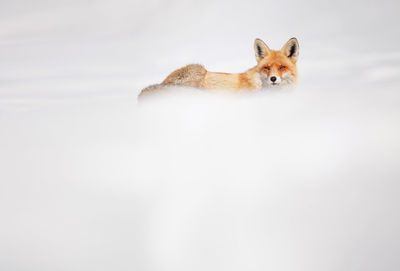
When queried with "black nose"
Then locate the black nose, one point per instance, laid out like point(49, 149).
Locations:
point(273, 79)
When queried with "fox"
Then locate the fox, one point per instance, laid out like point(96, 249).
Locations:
point(275, 68)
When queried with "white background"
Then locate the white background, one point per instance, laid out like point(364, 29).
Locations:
point(294, 180)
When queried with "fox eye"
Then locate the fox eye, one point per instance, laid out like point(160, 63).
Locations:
point(267, 68)
point(282, 67)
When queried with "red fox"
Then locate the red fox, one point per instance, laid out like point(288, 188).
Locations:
point(274, 68)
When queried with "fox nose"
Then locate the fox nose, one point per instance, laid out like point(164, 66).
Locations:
point(273, 79)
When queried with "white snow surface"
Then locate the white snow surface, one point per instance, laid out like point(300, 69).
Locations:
point(303, 179)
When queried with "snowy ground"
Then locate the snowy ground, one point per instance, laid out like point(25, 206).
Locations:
point(296, 180)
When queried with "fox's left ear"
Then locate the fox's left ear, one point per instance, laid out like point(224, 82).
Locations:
point(261, 49)
point(291, 49)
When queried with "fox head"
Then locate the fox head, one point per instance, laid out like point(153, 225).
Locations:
point(277, 67)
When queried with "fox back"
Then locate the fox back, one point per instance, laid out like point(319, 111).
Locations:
point(274, 68)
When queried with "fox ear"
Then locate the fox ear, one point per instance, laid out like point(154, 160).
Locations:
point(291, 49)
point(261, 49)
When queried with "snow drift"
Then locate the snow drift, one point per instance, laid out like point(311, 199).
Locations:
point(90, 179)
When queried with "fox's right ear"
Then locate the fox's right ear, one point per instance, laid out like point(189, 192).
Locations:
point(261, 49)
point(291, 49)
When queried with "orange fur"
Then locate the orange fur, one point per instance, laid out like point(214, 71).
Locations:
point(274, 67)
point(275, 61)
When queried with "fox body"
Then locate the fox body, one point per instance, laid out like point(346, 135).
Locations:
point(274, 68)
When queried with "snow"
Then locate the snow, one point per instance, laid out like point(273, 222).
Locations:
point(303, 179)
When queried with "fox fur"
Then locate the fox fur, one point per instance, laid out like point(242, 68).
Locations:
point(274, 68)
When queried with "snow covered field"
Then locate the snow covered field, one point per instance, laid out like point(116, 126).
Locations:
point(294, 180)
